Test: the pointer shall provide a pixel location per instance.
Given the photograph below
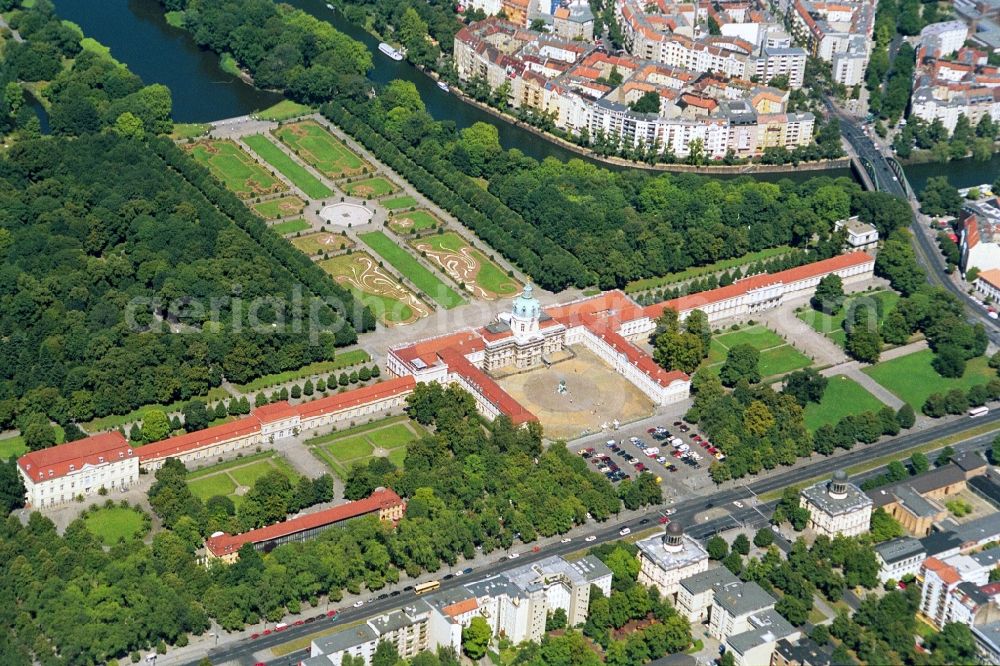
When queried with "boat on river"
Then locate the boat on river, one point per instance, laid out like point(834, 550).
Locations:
point(395, 54)
point(443, 86)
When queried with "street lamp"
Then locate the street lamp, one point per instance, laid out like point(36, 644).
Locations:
point(216, 637)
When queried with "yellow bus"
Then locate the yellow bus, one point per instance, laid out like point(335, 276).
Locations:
point(429, 586)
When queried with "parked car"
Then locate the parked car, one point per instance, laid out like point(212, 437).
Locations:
point(624, 531)
point(590, 538)
point(514, 555)
point(664, 520)
point(566, 540)
point(358, 604)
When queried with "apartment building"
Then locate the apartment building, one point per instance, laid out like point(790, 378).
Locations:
point(957, 589)
point(945, 87)
point(838, 32)
point(515, 604)
point(703, 86)
point(899, 557)
point(979, 241)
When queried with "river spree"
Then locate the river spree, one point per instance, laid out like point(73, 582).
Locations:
point(138, 35)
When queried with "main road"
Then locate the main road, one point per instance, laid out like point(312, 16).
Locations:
point(886, 179)
point(687, 514)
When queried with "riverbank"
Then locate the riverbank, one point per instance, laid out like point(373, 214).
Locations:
point(707, 170)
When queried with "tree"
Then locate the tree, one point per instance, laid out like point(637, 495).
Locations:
point(308, 389)
point(895, 330)
point(884, 526)
point(829, 294)
point(678, 351)
point(906, 416)
point(37, 431)
point(195, 416)
point(954, 644)
point(648, 103)
point(742, 362)
point(556, 620)
point(763, 538)
point(386, 654)
point(919, 463)
point(296, 392)
point(949, 361)
point(940, 197)
point(476, 638)
point(717, 547)
point(696, 323)
point(155, 425)
point(947, 453)
point(128, 125)
point(995, 451)
point(11, 486)
point(805, 386)
point(864, 343)
point(741, 544)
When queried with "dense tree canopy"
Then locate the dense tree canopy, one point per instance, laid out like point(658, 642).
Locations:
point(110, 277)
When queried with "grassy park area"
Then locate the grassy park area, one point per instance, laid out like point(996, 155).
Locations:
point(403, 262)
point(226, 478)
point(290, 227)
point(273, 209)
point(399, 203)
point(370, 187)
point(112, 524)
point(777, 357)
point(235, 168)
point(388, 437)
point(466, 265)
point(320, 242)
point(283, 110)
point(832, 326)
point(413, 222)
point(843, 397)
point(390, 302)
point(288, 167)
point(189, 130)
point(320, 149)
point(912, 378)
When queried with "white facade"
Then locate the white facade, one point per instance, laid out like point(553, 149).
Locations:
point(667, 559)
point(837, 507)
point(59, 474)
point(945, 38)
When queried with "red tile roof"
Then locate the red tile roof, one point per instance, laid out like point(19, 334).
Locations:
point(360, 396)
point(640, 359)
point(612, 304)
point(427, 350)
point(225, 544)
point(971, 226)
point(991, 277)
point(276, 411)
point(490, 390)
point(199, 438)
point(461, 607)
point(749, 284)
point(945, 572)
point(56, 461)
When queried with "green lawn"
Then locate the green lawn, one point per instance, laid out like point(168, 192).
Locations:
point(228, 64)
point(351, 448)
point(210, 486)
point(12, 446)
point(465, 263)
point(399, 202)
point(843, 397)
point(320, 242)
point(235, 168)
point(115, 420)
point(288, 167)
point(189, 130)
point(342, 360)
point(758, 337)
point(320, 149)
point(223, 478)
point(341, 450)
point(782, 360)
point(283, 110)
point(912, 379)
point(247, 475)
point(114, 524)
point(413, 222)
point(371, 187)
point(406, 264)
point(174, 19)
point(273, 209)
point(832, 326)
point(290, 226)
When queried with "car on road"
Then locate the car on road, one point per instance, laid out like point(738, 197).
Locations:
point(266, 632)
point(738, 504)
point(644, 521)
point(590, 538)
point(514, 555)
point(670, 512)
point(664, 520)
point(566, 540)
point(331, 613)
point(299, 623)
point(624, 531)
point(281, 626)
point(310, 620)
point(254, 637)
point(359, 603)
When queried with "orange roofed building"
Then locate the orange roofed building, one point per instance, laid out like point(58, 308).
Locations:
point(384, 503)
point(58, 474)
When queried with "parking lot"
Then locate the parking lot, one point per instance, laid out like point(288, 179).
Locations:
point(670, 449)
